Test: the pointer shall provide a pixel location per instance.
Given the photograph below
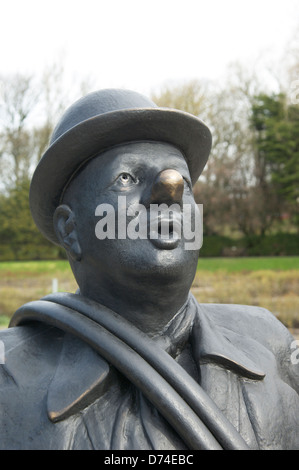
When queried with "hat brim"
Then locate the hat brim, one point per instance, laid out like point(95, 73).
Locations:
point(91, 137)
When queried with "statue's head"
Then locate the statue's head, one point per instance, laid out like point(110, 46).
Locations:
point(113, 159)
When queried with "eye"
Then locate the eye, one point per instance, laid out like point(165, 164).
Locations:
point(126, 178)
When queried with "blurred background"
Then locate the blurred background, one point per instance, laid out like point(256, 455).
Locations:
point(235, 64)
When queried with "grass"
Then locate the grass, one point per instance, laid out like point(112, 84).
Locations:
point(270, 282)
point(278, 291)
point(21, 282)
point(230, 265)
point(28, 268)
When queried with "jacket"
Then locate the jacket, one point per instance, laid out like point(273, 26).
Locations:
point(56, 392)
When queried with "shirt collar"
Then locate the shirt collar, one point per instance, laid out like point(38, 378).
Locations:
point(177, 332)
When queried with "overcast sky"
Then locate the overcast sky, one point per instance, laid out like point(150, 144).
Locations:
point(141, 44)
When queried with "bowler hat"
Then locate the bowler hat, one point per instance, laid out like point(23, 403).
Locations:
point(101, 120)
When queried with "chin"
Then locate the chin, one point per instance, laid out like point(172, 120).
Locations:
point(144, 261)
point(163, 264)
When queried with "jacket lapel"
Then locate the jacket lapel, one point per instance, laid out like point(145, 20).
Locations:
point(78, 379)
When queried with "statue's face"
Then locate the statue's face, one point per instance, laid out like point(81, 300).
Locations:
point(120, 185)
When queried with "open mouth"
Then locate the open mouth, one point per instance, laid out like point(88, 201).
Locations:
point(165, 233)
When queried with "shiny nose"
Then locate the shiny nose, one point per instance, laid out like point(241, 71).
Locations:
point(168, 187)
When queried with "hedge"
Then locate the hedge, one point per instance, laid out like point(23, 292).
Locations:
point(280, 244)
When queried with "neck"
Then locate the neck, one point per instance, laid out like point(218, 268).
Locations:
point(148, 305)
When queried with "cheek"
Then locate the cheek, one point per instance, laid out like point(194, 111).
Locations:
point(192, 224)
point(86, 221)
point(190, 206)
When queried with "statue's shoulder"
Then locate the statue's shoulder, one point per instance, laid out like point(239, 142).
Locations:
point(28, 351)
point(255, 329)
point(30, 336)
point(42, 361)
point(247, 320)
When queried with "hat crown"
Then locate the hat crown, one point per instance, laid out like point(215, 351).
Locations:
point(97, 103)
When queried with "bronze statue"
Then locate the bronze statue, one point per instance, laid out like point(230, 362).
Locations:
point(131, 360)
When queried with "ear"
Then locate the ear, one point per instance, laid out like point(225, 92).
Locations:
point(65, 228)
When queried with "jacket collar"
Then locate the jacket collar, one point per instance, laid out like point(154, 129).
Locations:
point(81, 374)
point(215, 340)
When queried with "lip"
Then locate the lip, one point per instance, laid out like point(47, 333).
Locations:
point(165, 232)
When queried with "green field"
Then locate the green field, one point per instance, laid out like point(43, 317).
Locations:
point(277, 263)
point(281, 263)
point(270, 282)
point(21, 268)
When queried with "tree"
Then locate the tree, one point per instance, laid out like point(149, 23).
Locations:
point(18, 98)
point(20, 238)
point(189, 97)
point(29, 109)
point(276, 125)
